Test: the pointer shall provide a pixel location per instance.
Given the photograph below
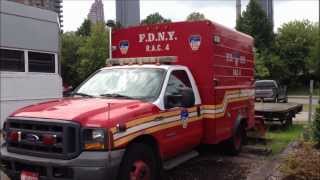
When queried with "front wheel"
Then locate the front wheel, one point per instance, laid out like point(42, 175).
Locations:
point(139, 163)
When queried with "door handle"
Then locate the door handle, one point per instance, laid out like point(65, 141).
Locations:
point(171, 134)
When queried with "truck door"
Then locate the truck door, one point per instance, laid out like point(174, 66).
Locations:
point(187, 133)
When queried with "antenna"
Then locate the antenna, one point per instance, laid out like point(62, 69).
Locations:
point(109, 132)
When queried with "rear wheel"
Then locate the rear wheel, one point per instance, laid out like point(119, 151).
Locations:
point(139, 163)
point(234, 144)
point(275, 100)
point(288, 122)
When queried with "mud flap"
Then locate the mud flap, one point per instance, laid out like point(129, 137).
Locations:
point(259, 130)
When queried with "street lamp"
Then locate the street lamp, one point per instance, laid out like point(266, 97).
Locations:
point(110, 24)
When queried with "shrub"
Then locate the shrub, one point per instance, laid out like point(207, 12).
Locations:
point(302, 164)
point(316, 125)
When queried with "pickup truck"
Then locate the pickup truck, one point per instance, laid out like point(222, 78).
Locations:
point(270, 90)
point(168, 89)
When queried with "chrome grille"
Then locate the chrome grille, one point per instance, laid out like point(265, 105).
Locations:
point(32, 133)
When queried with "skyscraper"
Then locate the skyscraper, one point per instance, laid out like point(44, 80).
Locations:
point(96, 13)
point(128, 12)
point(238, 8)
point(267, 6)
point(53, 5)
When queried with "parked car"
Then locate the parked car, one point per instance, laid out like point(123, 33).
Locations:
point(270, 90)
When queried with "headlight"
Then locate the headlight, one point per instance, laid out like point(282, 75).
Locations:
point(94, 139)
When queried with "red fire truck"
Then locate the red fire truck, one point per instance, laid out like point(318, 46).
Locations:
point(169, 88)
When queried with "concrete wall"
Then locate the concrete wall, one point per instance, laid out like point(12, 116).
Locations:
point(28, 29)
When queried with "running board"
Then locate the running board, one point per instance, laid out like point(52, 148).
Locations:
point(170, 164)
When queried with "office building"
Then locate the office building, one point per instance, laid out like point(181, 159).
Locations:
point(267, 6)
point(128, 12)
point(96, 13)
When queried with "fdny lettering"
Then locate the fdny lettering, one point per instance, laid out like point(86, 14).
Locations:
point(236, 58)
point(159, 36)
point(153, 40)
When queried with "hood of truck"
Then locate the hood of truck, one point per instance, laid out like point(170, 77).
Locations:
point(89, 112)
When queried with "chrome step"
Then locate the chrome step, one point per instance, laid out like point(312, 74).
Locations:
point(170, 164)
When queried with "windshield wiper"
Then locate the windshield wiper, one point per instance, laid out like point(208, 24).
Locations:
point(115, 95)
point(81, 94)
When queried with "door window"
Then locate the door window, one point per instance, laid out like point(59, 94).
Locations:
point(178, 80)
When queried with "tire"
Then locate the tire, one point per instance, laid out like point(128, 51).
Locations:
point(139, 163)
point(234, 144)
point(276, 100)
point(288, 122)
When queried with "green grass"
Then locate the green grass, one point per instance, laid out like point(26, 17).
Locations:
point(306, 107)
point(280, 138)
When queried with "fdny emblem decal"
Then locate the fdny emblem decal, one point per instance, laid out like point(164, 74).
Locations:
point(184, 115)
point(195, 42)
point(124, 46)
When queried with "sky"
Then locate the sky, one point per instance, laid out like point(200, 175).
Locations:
point(220, 11)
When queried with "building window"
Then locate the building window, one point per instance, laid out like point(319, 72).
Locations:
point(11, 60)
point(41, 62)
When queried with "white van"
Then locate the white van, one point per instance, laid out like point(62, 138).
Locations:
point(29, 51)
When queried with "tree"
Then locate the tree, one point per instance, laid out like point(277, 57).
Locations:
point(254, 22)
point(94, 52)
point(155, 18)
point(294, 45)
point(70, 44)
point(196, 16)
point(261, 71)
point(85, 28)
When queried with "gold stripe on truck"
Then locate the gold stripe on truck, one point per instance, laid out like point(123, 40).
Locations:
point(147, 125)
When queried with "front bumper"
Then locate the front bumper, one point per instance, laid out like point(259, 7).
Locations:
point(88, 165)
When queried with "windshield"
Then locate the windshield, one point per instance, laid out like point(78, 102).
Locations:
point(137, 83)
point(265, 84)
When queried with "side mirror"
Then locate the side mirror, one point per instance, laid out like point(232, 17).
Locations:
point(67, 91)
point(185, 99)
point(188, 99)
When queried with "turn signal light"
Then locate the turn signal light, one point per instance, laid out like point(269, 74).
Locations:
point(94, 146)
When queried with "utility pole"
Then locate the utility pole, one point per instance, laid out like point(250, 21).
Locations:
point(238, 9)
point(310, 101)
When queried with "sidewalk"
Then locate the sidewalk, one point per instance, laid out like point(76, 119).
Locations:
point(303, 96)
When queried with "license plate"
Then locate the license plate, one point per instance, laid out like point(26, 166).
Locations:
point(26, 175)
